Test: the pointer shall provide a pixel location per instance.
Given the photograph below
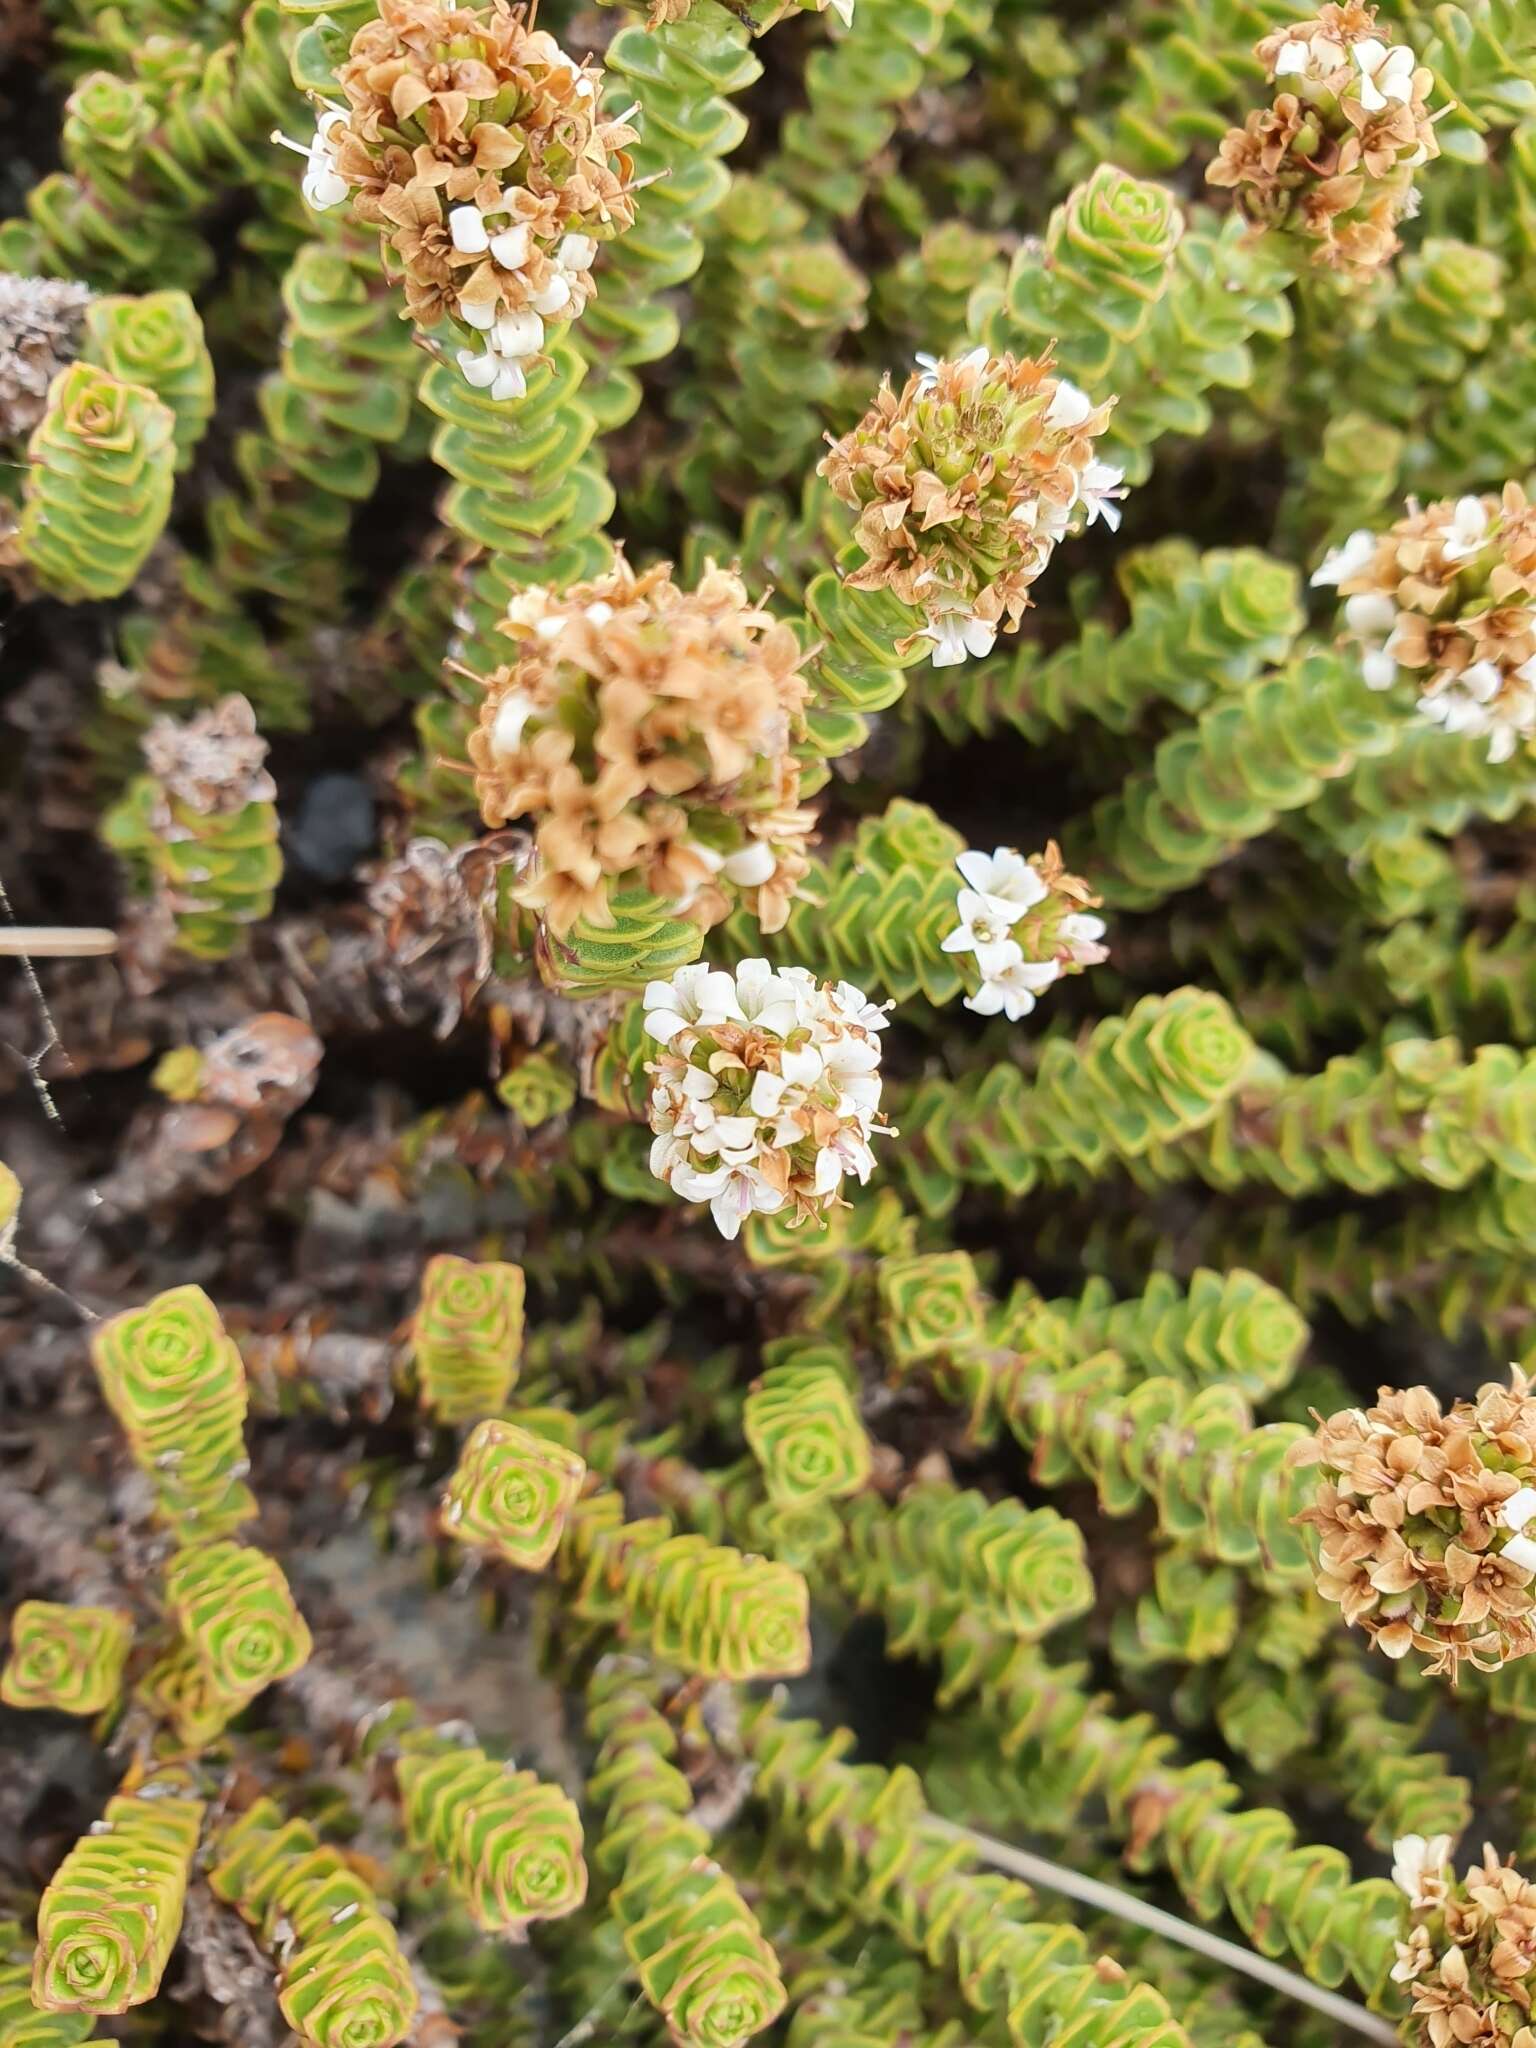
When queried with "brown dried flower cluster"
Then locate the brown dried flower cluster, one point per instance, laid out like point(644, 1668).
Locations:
point(1471, 1948)
point(40, 320)
point(648, 731)
point(1332, 159)
point(1420, 1514)
point(964, 484)
point(480, 150)
point(1449, 594)
point(214, 763)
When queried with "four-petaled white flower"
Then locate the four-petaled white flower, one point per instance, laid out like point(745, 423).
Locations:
point(1347, 560)
point(1011, 983)
point(1082, 933)
point(958, 634)
point(1309, 60)
point(1418, 1867)
point(765, 998)
point(983, 929)
point(1099, 487)
point(1385, 73)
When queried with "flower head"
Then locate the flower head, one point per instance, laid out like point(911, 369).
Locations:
point(480, 150)
point(1328, 166)
point(963, 484)
point(768, 1093)
point(1444, 604)
point(649, 732)
point(1419, 1512)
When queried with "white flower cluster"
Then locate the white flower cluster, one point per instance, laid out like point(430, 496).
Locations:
point(1001, 888)
point(768, 1091)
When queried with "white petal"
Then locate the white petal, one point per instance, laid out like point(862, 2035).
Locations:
point(576, 252)
point(1069, 407)
point(467, 231)
point(699, 1085)
point(509, 383)
point(695, 1186)
point(1371, 613)
point(1378, 669)
point(1292, 57)
point(519, 334)
point(1342, 563)
point(1483, 680)
point(510, 247)
point(767, 1092)
point(555, 295)
point(479, 370)
point(987, 1001)
point(664, 1025)
point(1519, 1508)
point(1521, 1550)
point(512, 714)
point(948, 645)
point(481, 317)
point(802, 1067)
point(752, 866)
point(961, 940)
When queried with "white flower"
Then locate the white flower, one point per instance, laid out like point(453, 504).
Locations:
point(1520, 1550)
point(982, 930)
point(1385, 74)
point(1045, 518)
point(734, 1138)
point(555, 296)
point(1353, 555)
point(1309, 60)
point(1415, 1860)
point(1101, 483)
point(843, 9)
point(519, 334)
point(1482, 681)
point(696, 997)
point(498, 374)
point(798, 1070)
point(1372, 614)
point(1519, 1508)
point(1005, 878)
point(1468, 530)
point(1082, 933)
point(852, 1006)
point(511, 247)
point(852, 1065)
point(1379, 669)
point(732, 1192)
point(1012, 984)
point(956, 635)
point(764, 999)
point(322, 184)
point(752, 865)
point(1069, 407)
point(467, 230)
point(847, 1153)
